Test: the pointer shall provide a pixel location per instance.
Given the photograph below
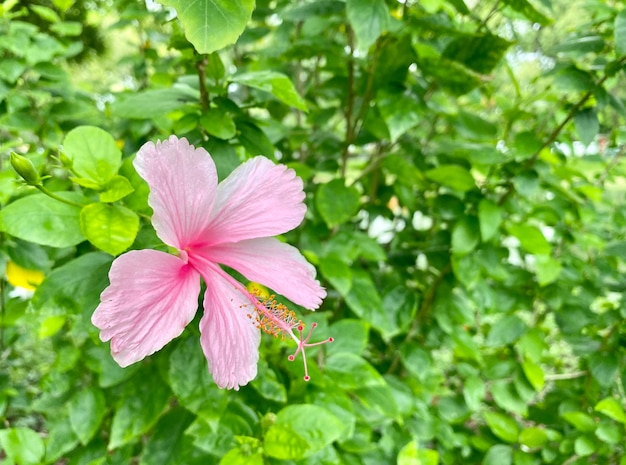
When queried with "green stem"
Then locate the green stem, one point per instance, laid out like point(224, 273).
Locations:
point(52, 195)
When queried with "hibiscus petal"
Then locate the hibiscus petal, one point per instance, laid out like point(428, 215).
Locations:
point(183, 183)
point(273, 263)
point(258, 199)
point(229, 337)
point(151, 298)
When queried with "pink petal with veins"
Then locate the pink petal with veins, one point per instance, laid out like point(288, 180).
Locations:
point(183, 185)
point(151, 298)
point(274, 264)
point(228, 334)
point(258, 199)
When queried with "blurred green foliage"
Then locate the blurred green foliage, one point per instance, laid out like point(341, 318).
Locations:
point(465, 178)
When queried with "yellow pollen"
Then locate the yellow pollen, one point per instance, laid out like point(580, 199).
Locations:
point(275, 318)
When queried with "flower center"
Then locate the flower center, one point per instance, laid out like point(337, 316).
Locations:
point(276, 319)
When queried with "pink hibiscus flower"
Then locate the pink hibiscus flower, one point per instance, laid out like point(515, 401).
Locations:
point(153, 295)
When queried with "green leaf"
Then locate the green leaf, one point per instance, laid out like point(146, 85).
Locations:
point(191, 381)
point(254, 139)
point(277, 84)
point(506, 330)
point(609, 433)
point(505, 396)
point(267, 384)
point(579, 420)
point(503, 426)
point(365, 301)
point(338, 273)
point(93, 152)
point(530, 238)
point(479, 52)
point(453, 176)
point(243, 456)
point(474, 392)
point(499, 455)
point(117, 188)
point(620, 33)
point(336, 202)
point(42, 220)
point(75, 286)
point(211, 25)
point(587, 125)
point(45, 13)
point(547, 269)
point(356, 343)
point(61, 438)
point(350, 371)
point(411, 454)
point(167, 442)
point(534, 374)
point(154, 103)
point(529, 11)
point(465, 235)
point(23, 446)
point(612, 408)
point(604, 367)
point(140, 407)
point(67, 28)
point(301, 430)
point(454, 76)
point(369, 19)
point(87, 409)
point(50, 326)
point(218, 123)
point(111, 228)
point(400, 113)
point(584, 446)
point(489, 217)
point(533, 437)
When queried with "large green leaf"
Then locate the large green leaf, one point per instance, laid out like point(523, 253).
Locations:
point(43, 220)
point(190, 379)
point(140, 407)
point(154, 103)
point(612, 408)
point(111, 228)
point(336, 202)
point(478, 52)
point(22, 446)
point(620, 33)
point(364, 300)
point(411, 454)
point(87, 409)
point(529, 11)
point(301, 430)
point(277, 84)
point(530, 238)
point(465, 235)
point(212, 24)
point(168, 443)
point(93, 153)
point(453, 176)
point(503, 426)
point(74, 287)
point(490, 217)
point(369, 19)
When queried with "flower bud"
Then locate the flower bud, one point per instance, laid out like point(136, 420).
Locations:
point(24, 167)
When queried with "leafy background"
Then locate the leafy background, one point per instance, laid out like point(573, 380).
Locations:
point(465, 177)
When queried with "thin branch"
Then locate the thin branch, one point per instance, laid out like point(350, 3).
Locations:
point(201, 65)
point(565, 376)
point(349, 104)
point(52, 195)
